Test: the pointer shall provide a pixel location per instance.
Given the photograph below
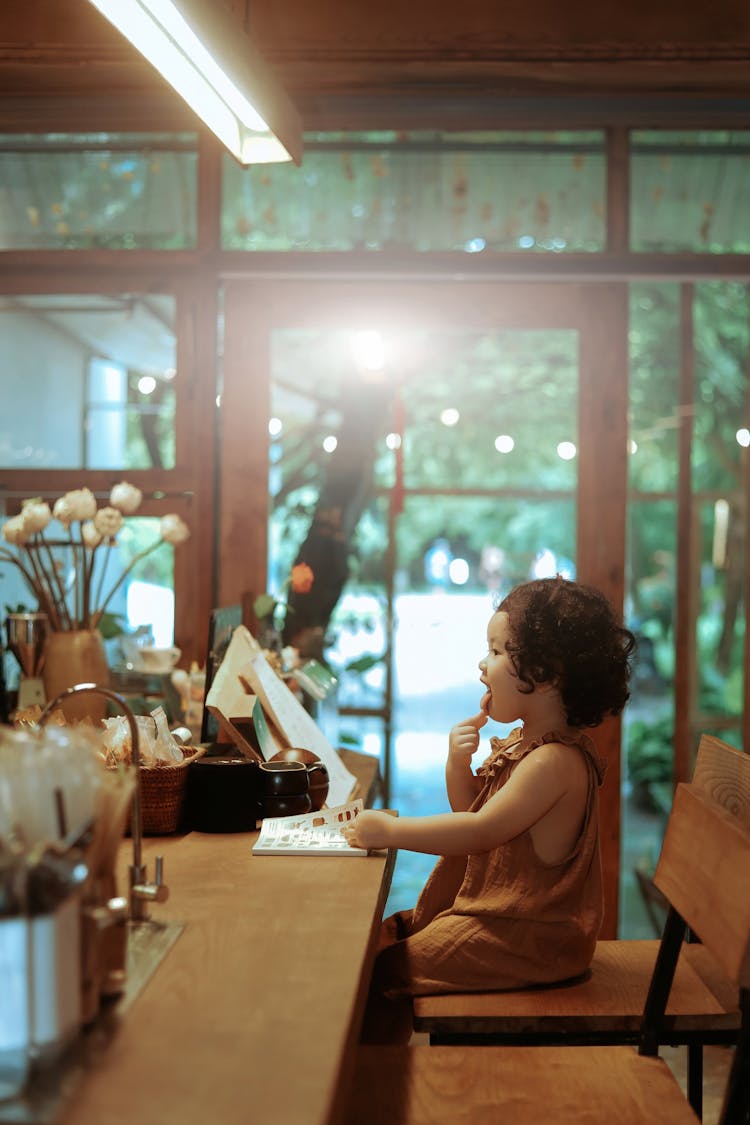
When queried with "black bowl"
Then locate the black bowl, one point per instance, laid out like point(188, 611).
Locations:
point(291, 805)
point(283, 779)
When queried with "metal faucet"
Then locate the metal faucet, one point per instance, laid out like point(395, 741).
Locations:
point(141, 890)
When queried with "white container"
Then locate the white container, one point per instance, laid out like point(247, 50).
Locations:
point(56, 979)
point(15, 1009)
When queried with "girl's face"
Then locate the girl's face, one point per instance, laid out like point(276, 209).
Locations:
point(506, 702)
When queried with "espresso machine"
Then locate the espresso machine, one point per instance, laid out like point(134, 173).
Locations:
point(26, 634)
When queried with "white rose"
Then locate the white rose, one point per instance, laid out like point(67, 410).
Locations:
point(108, 522)
point(63, 511)
point(84, 504)
point(173, 530)
point(126, 497)
point(36, 515)
point(91, 536)
point(80, 504)
point(16, 532)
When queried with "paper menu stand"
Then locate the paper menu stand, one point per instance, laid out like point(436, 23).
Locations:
point(244, 677)
point(295, 725)
point(228, 699)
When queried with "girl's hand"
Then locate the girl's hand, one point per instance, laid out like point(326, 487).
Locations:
point(463, 740)
point(369, 830)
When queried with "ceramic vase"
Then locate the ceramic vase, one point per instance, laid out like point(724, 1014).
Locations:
point(75, 657)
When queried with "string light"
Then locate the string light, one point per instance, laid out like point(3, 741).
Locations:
point(504, 443)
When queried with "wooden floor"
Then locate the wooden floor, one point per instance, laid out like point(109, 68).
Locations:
point(716, 1063)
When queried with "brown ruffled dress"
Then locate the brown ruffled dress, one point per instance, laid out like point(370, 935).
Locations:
point(502, 919)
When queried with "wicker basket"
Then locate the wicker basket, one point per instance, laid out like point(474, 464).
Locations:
point(163, 794)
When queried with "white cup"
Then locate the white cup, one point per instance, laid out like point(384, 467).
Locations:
point(155, 659)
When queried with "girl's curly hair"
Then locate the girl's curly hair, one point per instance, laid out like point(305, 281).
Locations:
point(568, 634)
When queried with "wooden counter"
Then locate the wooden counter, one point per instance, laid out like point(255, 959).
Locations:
point(254, 1015)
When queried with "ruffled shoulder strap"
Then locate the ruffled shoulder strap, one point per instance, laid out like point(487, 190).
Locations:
point(513, 747)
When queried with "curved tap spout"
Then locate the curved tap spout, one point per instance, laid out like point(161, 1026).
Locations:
point(140, 889)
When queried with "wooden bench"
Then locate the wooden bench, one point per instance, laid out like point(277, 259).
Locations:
point(703, 873)
point(607, 1006)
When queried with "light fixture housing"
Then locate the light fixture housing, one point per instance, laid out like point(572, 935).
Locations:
point(211, 63)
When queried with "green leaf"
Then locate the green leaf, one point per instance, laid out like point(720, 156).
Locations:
point(364, 663)
point(264, 605)
point(111, 625)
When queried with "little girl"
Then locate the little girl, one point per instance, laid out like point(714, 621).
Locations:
point(516, 899)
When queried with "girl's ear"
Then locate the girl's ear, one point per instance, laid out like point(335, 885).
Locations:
point(545, 686)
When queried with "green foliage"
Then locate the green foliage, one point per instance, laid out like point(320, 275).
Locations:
point(111, 625)
point(650, 756)
point(720, 311)
point(650, 751)
point(350, 739)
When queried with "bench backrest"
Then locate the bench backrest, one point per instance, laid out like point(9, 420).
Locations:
point(723, 774)
point(704, 866)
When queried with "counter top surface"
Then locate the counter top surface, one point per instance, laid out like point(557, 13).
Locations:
point(254, 1014)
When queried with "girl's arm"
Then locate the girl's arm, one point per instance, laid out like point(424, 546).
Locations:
point(461, 782)
point(538, 782)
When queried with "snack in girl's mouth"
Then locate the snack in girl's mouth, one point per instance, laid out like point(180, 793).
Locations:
point(485, 704)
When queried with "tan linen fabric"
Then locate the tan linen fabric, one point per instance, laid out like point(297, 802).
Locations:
point(502, 919)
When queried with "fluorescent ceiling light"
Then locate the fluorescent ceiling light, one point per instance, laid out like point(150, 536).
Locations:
point(210, 62)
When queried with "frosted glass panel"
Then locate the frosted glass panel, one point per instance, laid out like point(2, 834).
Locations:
point(88, 381)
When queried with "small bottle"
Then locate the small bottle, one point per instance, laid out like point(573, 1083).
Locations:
point(196, 692)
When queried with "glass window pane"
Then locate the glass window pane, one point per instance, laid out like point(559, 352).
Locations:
point(329, 415)
point(654, 386)
point(441, 632)
point(469, 192)
point(147, 596)
point(89, 381)
point(721, 613)
point(358, 629)
point(493, 410)
point(467, 410)
point(690, 191)
point(648, 719)
point(111, 191)
point(652, 587)
point(721, 313)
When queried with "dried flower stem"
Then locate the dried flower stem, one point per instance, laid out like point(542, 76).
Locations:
point(79, 584)
point(100, 585)
point(58, 600)
point(39, 592)
point(42, 587)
